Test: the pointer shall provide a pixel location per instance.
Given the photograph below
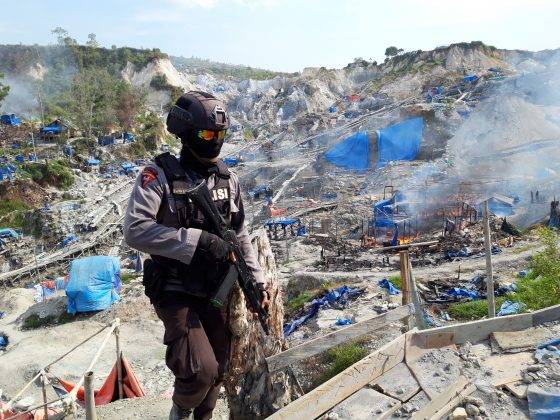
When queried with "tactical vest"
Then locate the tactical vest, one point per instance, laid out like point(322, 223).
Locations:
point(199, 278)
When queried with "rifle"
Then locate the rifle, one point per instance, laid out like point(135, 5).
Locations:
point(200, 196)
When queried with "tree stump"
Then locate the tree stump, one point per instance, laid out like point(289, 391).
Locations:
point(252, 391)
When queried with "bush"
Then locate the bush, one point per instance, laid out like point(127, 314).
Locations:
point(12, 213)
point(341, 357)
point(541, 288)
point(54, 173)
point(472, 310)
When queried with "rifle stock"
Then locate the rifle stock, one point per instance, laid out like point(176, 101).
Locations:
point(200, 196)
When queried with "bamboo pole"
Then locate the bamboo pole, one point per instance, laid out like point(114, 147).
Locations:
point(89, 396)
point(119, 363)
point(44, 391)
point(418, 314)
point(114, 325)
point(405, 288)
point(489, 274)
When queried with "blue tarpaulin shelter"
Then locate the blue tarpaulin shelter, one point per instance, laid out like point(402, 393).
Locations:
point(383, 213)
point(56, 127)
point(10, 119)
point(93, 283)
point(351, 153)
point(9, 233)
point(399, 141)
point(68, 240)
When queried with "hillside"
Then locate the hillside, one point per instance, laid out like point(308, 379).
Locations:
point(340, 166)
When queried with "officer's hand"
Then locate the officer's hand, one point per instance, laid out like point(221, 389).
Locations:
point(213, 248)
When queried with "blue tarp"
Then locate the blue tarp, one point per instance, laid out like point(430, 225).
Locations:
point(93, 283)
point(544, 402)
point(93, 162)
point(128, 137)
point(332, 109)
point(281, 221)
point(510, 308)
point(383, 213)
point(462, 293)
point(351, 153)
point(68, 240)
point(386, 284)
point(231, 161)
point(399, 141)
point(20, 158)
point(10, 119)
point(471, 78)
point(55, 127)
point(340, 296)
point(9, 233)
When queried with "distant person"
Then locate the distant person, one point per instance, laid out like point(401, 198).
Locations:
point(187, 260)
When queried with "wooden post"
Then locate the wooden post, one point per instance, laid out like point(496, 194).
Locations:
point(489, 275)
point(119, 363)
point(405, 288)
point(89, 396)
point(418, 314)
point(44, 390)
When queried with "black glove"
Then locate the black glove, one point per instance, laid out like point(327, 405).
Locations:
point(213, 248)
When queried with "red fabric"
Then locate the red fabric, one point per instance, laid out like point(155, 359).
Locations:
point(8, 413)
point(277, 212)
point(109, 391)
point(50, 284)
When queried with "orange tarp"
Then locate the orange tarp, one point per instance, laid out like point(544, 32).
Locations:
point(109, 391)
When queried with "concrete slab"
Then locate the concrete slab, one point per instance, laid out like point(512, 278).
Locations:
point(366, 404)
point(398, 383)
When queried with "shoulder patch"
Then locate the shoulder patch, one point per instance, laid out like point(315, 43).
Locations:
point(148, 175)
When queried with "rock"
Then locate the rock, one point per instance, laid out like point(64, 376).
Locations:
point(534, 368)
point(526, 378)
point(478, 418)
point(400, 391)
point(333, 416)
point(448, 367)
point(469, 399)
point(459, 414)
point(472, 410)
point(379, 411)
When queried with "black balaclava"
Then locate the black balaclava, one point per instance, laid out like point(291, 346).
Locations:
point(208, 149)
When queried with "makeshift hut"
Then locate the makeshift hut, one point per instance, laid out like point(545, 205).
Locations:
point(93, 283)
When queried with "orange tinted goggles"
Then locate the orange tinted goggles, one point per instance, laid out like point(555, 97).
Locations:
point(210, 134)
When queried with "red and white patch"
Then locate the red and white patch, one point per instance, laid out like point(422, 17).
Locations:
point(148, 175)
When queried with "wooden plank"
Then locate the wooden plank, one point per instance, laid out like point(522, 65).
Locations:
point(444, 412)
point(476, 331)
point(366, 404)
point(405, 246)
point(340, 387)
point(398, 383)
point(546, 315)
point(320, 344)
point(440, 400)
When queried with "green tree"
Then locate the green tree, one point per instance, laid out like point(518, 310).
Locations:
point(3, 89)
point(131, 102)
point(392, 51)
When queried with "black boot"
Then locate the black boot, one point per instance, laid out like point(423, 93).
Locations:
point(178, 413)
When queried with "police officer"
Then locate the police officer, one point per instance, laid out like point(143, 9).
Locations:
point(186, 260)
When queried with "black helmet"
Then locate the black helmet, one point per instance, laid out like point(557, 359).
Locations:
point(197, 111)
